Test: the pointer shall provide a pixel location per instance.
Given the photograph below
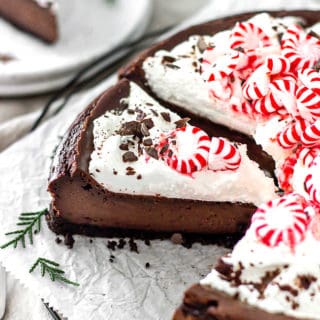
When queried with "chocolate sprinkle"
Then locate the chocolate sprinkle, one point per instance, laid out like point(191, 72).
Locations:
point(168, 59)
point(129, 156)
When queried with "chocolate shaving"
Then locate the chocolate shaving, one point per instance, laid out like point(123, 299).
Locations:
point(240, 49)
point(124, 146)
point(313, 34)
point(130, 128)
point(202, 45)
point(5, 58)
point(129, 156)
point(172, 66)
point(168, 59)
point(152, 152)
point(182, 122)
point(147, 142)
point(164, 149)
point(144, 130)
point(166, 116)
point(148, 122)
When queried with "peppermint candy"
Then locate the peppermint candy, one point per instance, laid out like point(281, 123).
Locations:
point(248, 36)
point(218, 66)
point(223, 155)
point(257, 85)
point(310, 78)
point(307, 155)
point(312, 181)
point(266, 105)
point(291, 134)
point(308, 103)
point(186, 149)
point(311, 135)
point(283, 220)
point(300, 48)
point(285, 173)
point(277, 64)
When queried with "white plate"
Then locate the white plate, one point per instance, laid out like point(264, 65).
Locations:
point(87, 30)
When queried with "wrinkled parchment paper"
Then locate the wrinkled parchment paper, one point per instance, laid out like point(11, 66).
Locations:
point(124, 289)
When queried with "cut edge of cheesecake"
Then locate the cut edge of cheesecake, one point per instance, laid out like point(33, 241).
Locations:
point(76, 194)
point(29, 16)
point(202, 302)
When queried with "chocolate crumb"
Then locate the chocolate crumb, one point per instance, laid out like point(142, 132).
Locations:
point(139, 176)
point(155, 113)
point(182, 122)
point(172, 66)
point(144, 130)
point(121, 244)
point(124, 146)
point(164, 149)
point(115, 172)
point(240, 49)
point(111, 245)
point(177, 238)
point(130, 128)
point(305, 281)
point(58, 240)
point(133, 246)
point(147, 265)
point(149, 104)
point(166, 116)
point(68, 240)
point(91, 241)
point(130, 111)
point(129, 156)
point(147, 242)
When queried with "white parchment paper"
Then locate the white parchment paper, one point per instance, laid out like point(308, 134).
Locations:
point(124, 289)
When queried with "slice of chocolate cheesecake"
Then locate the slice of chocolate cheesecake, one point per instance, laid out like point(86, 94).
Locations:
point(272, 273)
point(128, 164)
point(36, 17)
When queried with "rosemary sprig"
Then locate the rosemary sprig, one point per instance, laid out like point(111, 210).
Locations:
point(31, 221)
point(51, 268)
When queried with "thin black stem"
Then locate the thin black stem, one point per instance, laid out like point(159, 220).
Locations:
point(122, 47)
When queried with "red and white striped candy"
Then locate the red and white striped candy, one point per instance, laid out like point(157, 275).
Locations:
point(266, 105)
point(307, 155)
point(216, 66)
point(277, 64)
point(248, 36)
point(291, 134)
point(223, 155)
point(220, 90)
point(243, 107)
point(308, 103)
point(285, 173)
point(310, 78)
point(257, 85)
point(282, 220)
point(312, 182)
point(284, 93)
point(300, 48)
point(311, 135)
point(187, 149)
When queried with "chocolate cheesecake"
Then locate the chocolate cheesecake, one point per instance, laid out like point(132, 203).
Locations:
point(129, 165)
point(36, 17)
point(272, 273)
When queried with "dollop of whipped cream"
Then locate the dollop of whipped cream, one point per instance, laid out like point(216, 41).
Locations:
point(269, 271)
point(123, 165)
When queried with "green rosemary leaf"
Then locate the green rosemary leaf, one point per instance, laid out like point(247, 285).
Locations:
point(52, 269)
point(32, 222)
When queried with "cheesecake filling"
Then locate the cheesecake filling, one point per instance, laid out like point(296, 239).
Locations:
point(276, 266)
point(145, 149)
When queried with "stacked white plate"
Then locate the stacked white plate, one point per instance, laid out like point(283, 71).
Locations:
point(87, 30)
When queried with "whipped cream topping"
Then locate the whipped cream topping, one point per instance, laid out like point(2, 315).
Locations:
point(279, 279)
point(52, 4)
point(175, 75)
point(119, 164)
